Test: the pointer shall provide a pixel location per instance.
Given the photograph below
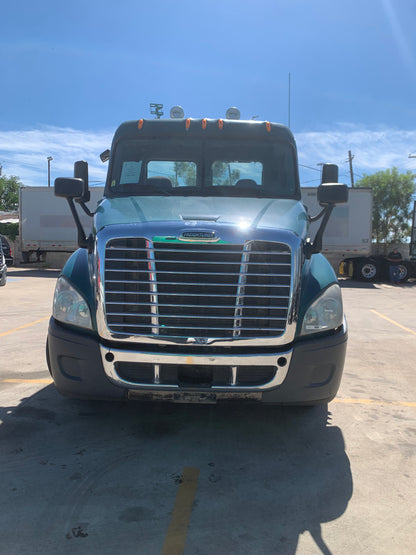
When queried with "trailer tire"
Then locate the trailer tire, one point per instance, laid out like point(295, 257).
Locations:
point(367, 270)
point(403, 273)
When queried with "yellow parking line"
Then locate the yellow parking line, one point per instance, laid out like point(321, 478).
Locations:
point(393, 322)
point(22, 380)
point(25, 326)
point(374, 402)
point(178, 527)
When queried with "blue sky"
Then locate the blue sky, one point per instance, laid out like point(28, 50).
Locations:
point(71, 72)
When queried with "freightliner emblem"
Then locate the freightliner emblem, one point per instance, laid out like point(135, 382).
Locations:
point(199, 235)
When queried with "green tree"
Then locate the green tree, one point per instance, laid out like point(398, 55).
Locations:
point(392, 196)
point(185, 174)
point(223, 173)
point(9, 192)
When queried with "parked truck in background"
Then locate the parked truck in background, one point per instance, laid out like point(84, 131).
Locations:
point(347, 241)
point(357, 258)
point(200, 280)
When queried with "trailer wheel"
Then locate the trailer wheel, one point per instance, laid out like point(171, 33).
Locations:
point(403, 272)
point(367, 270)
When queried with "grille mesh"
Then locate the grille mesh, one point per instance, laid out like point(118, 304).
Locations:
point(210, 290)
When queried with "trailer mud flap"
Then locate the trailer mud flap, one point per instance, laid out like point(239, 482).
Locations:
point(200, 397)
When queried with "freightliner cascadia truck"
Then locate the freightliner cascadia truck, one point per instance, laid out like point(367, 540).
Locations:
point(199, 281)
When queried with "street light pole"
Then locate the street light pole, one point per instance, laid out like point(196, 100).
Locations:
point(49, 170)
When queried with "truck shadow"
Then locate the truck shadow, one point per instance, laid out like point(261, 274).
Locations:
point(267, 474)
point(355, 284)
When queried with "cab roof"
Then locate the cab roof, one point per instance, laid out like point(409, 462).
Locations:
point(220, 128)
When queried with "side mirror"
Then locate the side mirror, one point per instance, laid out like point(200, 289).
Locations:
point(81, 172)
point(70, 187)
point(332, 193)
point(105, 156)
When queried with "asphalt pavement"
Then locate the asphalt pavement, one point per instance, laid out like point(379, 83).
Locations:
point(151, 478)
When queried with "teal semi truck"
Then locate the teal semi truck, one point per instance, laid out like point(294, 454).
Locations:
point(199, 281)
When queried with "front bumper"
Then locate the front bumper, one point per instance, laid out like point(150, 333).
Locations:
point(309, 372)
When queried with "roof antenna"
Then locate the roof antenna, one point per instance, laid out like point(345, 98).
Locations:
point(289, 105)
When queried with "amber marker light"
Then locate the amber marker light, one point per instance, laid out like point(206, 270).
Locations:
point(220, 123)
point(140, 123)
point(268, 126)
point(188, 124)
point(204, 123)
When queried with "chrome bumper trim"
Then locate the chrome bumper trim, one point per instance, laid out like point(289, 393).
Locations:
point(281, 361)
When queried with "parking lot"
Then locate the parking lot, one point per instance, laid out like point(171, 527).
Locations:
point(95, 477)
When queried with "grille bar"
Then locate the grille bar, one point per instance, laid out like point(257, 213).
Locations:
point(189, 273)
point(193, 328)
point(190, 316)
point(110, 249)
point(195, 284)
point(208, 262)
point(190, 294)
point(181, 305)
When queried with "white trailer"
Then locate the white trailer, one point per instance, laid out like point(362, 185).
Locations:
point(347, 241)
point(46, 223)
point(348, 232)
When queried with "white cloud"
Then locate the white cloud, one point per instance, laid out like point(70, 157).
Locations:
point(24, 153)
point(373, 149)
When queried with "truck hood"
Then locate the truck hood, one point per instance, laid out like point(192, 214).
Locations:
point(284, 214)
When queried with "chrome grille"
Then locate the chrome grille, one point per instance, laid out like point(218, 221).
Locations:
point(195, 290)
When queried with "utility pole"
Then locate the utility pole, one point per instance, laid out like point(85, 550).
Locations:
point(49, 170)
point(350, 157)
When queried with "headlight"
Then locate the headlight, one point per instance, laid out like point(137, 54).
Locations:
point(69, 306)
point(325, 313)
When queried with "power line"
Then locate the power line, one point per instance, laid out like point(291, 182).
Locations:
point(24, 164)
point(309, 168)
point(310, 181)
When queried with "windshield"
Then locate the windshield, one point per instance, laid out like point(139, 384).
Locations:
point(198, 167)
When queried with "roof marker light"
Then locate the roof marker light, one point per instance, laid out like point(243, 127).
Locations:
point(140, 123)
point(188, 123)
point(232, 113)
point(176, 112)
point(268, 126)
point(220, 123)
point(204, 123)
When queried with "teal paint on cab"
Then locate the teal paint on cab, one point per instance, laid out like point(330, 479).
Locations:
point(317, 275)
point(285, 214)
point(76, 270)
